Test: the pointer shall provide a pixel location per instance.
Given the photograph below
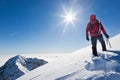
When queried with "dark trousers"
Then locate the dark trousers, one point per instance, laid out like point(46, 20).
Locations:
point(94, 44)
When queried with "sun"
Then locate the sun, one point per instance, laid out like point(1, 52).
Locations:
point(69, 18)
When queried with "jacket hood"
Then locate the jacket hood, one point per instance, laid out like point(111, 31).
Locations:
point(92, 17)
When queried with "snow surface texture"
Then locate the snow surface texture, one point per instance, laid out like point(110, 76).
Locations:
point(18, 66)
point(81, 66)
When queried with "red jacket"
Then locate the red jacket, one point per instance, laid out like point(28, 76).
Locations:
point(95, 28)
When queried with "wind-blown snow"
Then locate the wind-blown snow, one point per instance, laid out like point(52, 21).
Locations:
point(81, 66)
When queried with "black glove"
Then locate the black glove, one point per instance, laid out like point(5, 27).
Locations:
point(106, 35)
point(87, 38)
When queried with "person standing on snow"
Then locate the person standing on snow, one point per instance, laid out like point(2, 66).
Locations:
point(94, 27)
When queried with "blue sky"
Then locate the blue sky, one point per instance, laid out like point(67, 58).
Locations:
point(34, 26)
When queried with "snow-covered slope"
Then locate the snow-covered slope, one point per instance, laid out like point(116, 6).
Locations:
point(18, 66)
point(81, 66)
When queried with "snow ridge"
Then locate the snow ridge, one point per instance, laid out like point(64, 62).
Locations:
point(80, 65)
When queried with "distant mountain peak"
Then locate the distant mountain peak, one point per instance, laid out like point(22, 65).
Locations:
point(18, 66)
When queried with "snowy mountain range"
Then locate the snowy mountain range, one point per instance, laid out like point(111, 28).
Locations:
point(80, 65)
point(18, 66)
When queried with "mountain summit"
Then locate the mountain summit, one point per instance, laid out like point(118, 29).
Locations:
point(18, 66)
point(80, 65)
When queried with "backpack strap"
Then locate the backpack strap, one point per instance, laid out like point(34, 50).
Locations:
point(99, 26)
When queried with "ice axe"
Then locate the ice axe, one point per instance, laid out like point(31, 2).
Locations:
point(108, 42)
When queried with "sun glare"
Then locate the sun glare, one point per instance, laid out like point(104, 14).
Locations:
point(69, 17)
